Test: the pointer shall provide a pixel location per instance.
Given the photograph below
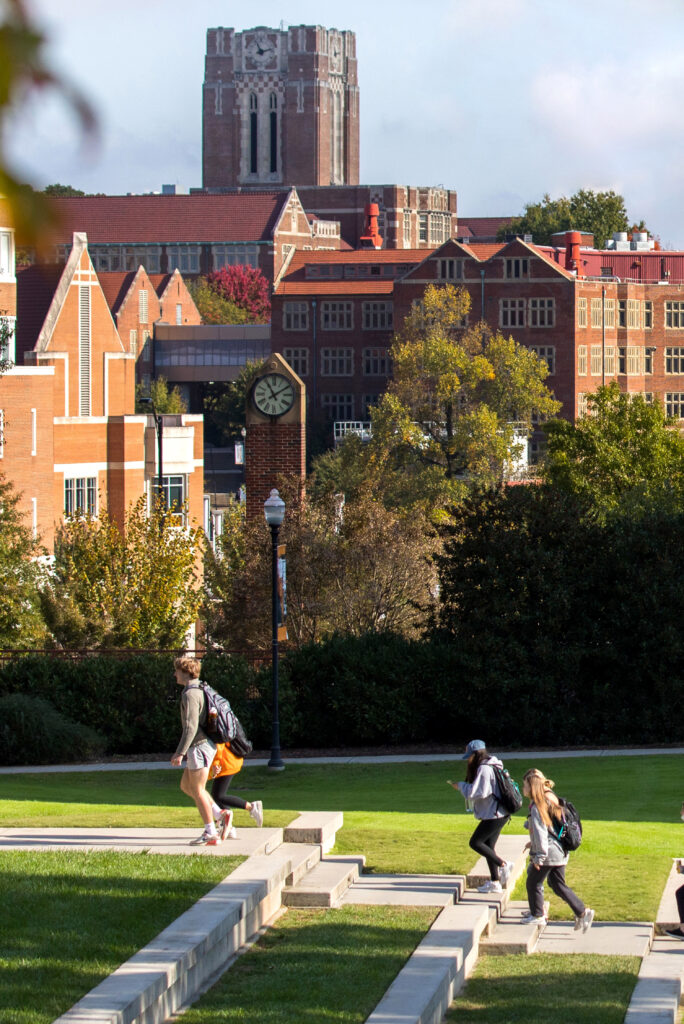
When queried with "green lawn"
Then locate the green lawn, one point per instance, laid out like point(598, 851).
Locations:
point(315, 966)
point(547, 988)
point(405, 818)
point(70, 918)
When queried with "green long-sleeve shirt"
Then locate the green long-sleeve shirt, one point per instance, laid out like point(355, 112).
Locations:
point(193, 716)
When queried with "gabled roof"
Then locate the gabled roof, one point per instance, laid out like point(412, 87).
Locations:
point(241, 217)
point(481, 227)
point(116, 286)
point(36, 287)
point(160, 282)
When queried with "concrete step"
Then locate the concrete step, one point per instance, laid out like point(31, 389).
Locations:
point(436, 971)
point(303, 859)
point(511, 934)
point(668, 915)
point(318, 827)
point(325, 883)
point(250, 841)
point(509, 847)
point(406, 890)
point(658, 992)
point(604, 938)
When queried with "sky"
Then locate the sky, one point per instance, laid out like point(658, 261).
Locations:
point(501, 100)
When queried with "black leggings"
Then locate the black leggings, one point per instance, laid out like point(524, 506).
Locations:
point(221, 797)
point(483, 841)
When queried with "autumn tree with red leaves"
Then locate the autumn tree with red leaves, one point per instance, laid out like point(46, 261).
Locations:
point(237, 294)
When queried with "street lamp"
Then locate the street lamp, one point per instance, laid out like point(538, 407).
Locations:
point(159, 427)
point(274, 510)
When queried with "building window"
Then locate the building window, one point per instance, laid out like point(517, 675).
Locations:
point(6, 254)
point(542, 312)
point(145, 354)
point(609, 362)
point(596, 361)
point(234, 256)
point(407, 227)
point(337, 316)
point(173, 488)
point(581, 312)
point(596, 309)
point(647, 309)
point(674, 404)
point(633, 359)
point(582, 407)
point(674, 360)
point(547, 353)
point(450, 270)
point(274, 132)
point(337, 362)
point(34, 431)
point(582, 360)
point(298, 358)
point(376, 362)
point(606, 271)
point(7, 328)
point(517, 267)
point(377, 316)
point(422, 227)
point(622, 359)
point(648, 397)
point(368, 402)
point(253, 134)
point(674, 315)
point(648, 359)
point(80, 496)
point(185, 257)
point(133, 342)
point(83, 350)
point(609, 312)
point(179, 314)
point(338, 407)
point(295, 316)
point(622, 313)
point(511, 312)
point(633, 309)
point(143, 312)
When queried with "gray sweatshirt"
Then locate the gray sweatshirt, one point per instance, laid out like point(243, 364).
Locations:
point(544, 849)
point(483, 792)
point(193, 717)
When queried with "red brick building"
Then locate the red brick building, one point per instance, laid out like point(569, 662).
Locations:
point(194, 234)
point(280, 106)
point(593, 315)
point(71, 439)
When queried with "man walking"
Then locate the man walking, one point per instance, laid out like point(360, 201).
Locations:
point(195, 746)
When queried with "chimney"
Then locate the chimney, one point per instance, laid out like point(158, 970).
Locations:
point(573, 240)
point(370, 239)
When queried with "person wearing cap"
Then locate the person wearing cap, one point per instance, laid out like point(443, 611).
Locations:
point(480, 789)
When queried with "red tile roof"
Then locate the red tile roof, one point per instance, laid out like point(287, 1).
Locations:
point(115, 286)
point(334, 287)
point(241, 217)
point(36, 287)
point(481, 227)
point(484, 250)
point(302, 257)
point(160, 282)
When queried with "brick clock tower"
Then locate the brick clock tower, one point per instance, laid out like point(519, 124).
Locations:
point(275, 444)
point(280, 107)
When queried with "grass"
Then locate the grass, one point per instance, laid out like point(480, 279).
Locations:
point(70, 918)
point(404, 818)
point(315, 966)
point(547, 987)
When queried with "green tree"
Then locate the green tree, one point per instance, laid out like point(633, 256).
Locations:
point(448, 419)
point(601, 213)
point(21, 621)
point(62, 190)
point(215, 308)
point(135, 586)
point(165, 399)
point(623, 455)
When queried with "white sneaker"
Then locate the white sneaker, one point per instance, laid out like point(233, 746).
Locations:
point(231, 834)
point(541, 921)
point(529, 916)
point(206, 839)
point(505, 872)
point(224, 824)
point(490, 887)
point(257, 813)
point(587, 919)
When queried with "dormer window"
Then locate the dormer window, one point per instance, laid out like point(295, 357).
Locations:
point(517, 267)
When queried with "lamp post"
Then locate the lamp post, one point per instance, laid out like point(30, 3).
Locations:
point(274, 511)
point(159, 427)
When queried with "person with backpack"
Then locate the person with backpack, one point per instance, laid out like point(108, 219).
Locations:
point(547, 854)
point(482, 791)
point(195, 746)
point(224, 768)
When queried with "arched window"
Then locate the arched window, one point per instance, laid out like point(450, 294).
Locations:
point(273, 103)
point(253, 128)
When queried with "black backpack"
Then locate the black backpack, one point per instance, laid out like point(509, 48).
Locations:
point(567, 831)
point(510, 797)
point(223, 725)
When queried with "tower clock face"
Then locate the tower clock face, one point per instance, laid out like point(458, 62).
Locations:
point(260, 50)
point(273, 395)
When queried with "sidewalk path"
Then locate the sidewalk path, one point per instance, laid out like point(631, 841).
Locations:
point(259, 762)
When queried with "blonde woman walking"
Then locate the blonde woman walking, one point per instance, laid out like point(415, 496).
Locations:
point(547, 856)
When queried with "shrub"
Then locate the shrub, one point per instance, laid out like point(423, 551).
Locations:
point(32, 731)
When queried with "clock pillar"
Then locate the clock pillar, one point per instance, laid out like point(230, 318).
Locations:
point(275, 446)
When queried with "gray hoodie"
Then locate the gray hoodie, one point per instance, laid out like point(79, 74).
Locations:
point(544, 849)
point(483, 791)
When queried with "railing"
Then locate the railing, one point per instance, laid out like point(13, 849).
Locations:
point(326, 228)
point(344, 427)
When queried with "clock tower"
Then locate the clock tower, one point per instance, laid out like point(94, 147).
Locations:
point(280, 107)
point(275, 444)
